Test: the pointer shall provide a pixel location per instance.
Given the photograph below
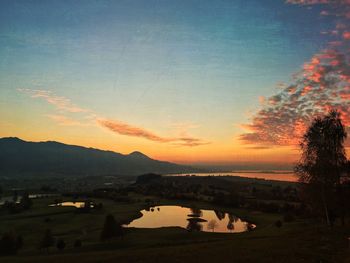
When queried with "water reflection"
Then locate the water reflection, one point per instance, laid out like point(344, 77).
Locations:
point(75, 204)
point(195, 212)
point(192, 219)
point(194, 225)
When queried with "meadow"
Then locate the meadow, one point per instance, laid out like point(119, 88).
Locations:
point(302, 240)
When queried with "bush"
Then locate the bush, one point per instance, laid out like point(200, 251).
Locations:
point(278, 223)
point(111, 228)
point(48, 240)
point(288, 217)
point(60, 244)
point(77, 243)
point(10, 244)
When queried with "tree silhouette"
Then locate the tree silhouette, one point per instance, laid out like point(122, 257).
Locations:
point(219, 214)
point(8, 244)
point(15, 196)
point(111, 228)
point(193, 225)
point(212, 225)
point(77, 243)
point(25, 201)
point(322, 161)
point(231, 220)
point(60, 244)
point(195, 212)
point(47, 241)
point(278, 223)
point(19, 242)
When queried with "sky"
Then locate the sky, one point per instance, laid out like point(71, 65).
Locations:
point(193, 81)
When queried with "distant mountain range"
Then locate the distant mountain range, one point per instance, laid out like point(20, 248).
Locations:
point(18, 157)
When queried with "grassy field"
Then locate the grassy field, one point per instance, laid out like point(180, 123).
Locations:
point(299, 241)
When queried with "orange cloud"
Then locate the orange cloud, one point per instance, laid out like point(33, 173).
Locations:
point(126, 129)
point(88, 117)
point(66, 121)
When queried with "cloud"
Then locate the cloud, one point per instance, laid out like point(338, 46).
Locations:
point(129, 130)
point(61, 103)
point(322, 84)
point(316, 2)
point(87, 117)
point(258, 147)
point(66, 121)
point(126, 129)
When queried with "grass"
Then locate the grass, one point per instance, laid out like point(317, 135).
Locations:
point(300, 241)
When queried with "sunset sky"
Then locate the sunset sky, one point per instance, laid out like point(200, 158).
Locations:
point(217, 82)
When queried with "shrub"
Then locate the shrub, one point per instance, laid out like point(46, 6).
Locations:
point(111, 228)
point(278, 223)
point(288, 217)
point(77, 243)
point(60, 244)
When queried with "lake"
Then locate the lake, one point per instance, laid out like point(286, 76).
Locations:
point(288, 176)
point(191, 219)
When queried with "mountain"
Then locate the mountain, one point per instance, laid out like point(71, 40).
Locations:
point(18, 157)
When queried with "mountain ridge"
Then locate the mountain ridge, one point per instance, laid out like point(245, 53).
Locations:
point(20, 157)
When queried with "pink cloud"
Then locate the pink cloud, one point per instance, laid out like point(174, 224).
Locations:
point(323, 84)
point(346, 35)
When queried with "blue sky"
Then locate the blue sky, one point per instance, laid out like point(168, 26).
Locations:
point(153, 63)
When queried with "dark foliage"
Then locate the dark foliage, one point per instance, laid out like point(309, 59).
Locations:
point(322, 166)
point(111, 228)
point(60, 244)
point(78, 243)
point(278, 223)
point(47, 240)
point(10, 243)
point(26, 202)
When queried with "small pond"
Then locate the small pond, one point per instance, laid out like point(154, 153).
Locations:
point(75, 204)
point(191, 219)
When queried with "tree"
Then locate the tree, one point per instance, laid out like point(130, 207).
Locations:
point(48, 240)
point(15, 196)
point(8, 244)
point(26, 202)
point(111, 228)
point(212, 225)
point(278, 223)
point(60, 244)
point(77, 243)
point(19, 242)
point(322, 162)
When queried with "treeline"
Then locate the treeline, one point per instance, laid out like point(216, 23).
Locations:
point(17, 205)
point(267, 198)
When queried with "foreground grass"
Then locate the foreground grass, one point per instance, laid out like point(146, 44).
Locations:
point(300, 241)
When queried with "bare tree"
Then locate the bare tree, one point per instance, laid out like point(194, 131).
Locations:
point(212, 225)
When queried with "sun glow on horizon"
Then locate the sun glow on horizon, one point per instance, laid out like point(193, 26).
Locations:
point(192, 87)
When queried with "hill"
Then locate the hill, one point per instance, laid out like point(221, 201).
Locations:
point(18, 157)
